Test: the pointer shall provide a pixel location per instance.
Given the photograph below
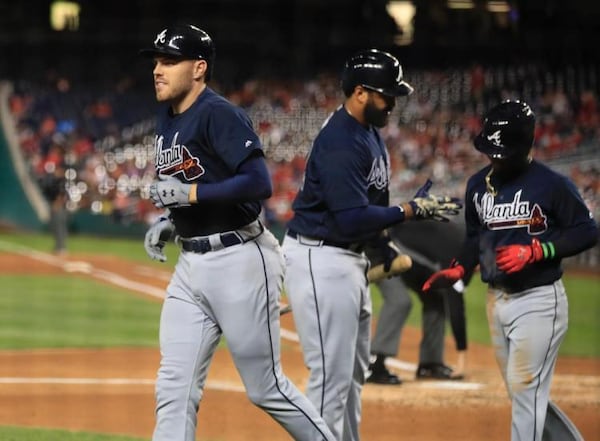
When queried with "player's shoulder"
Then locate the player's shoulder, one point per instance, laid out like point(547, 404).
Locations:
point(221, 108)
point(544, 173)
point(213, 99)
point(339, 131)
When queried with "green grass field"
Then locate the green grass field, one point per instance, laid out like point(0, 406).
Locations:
point(8, 433)
point(107, 316)
point(54, 311)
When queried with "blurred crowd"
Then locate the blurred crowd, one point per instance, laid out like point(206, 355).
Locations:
point(100, 141)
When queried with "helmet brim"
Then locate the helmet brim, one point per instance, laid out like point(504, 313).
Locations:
point(401, 89)
point(153, 52)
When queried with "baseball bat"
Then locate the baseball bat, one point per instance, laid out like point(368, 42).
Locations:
point(401, 263)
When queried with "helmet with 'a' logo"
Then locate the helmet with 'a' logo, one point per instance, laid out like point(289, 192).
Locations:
point(508, 130)
point(375, 70)
point(183, 41)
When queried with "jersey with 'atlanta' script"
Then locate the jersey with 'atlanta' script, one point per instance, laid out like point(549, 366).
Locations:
point(539, 203)
point(206, 144)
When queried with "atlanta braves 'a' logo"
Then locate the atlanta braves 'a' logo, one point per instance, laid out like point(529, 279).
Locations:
point(176, 159)
point(161, 37)
point(495, 138)
point(379, 174)
point(514, 214)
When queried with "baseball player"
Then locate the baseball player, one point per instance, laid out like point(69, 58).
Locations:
point(342, 204)
point(431, 246)
point(228, 278)
point(522, 219)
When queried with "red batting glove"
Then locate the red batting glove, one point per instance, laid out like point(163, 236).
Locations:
point(513, 258)
point(448, 276)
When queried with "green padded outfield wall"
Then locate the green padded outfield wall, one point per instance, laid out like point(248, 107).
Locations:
point(15, 209)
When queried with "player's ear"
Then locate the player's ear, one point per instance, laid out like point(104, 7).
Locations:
point(361, 94)
point(200, 67)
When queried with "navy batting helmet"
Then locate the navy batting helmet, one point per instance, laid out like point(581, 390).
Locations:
point(508, 130)
point(375, 70)
point(183, 41)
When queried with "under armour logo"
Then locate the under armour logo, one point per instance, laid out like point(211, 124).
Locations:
point(495, 138)
point(164, 193)
point(161, 37)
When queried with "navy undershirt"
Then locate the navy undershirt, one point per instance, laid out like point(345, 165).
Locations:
point(251, 182)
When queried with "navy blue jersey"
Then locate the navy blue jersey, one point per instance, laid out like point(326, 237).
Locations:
point(348, 167)
point(539, 203)
point(206, 144)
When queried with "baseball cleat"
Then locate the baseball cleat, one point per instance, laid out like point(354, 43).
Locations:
point(437, 371)
point(382, 376)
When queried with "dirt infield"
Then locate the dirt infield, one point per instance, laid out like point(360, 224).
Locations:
point(111, 390)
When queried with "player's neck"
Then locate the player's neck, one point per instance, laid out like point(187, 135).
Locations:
point(355, 112)
point(186, 101)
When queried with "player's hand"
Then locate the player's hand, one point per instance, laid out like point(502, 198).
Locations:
point(513, 258)
point(156, 238)
point(445, 277)
point(429, 206)
point(170, 192)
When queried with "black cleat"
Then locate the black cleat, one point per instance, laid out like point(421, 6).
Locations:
point(437, 371)
point(383, 376)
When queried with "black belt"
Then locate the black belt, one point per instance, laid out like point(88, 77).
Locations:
point(356, 247)
point(218, 241)
point(202, 244)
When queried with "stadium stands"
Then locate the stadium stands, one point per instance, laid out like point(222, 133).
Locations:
point(103, 137)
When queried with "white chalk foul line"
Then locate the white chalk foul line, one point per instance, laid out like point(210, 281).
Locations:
point(450, 385)
point(84, 267)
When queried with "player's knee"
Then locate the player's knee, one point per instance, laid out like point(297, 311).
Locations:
point(520, 381)
point(176, 391)
point(257, 397)
point(400, 303)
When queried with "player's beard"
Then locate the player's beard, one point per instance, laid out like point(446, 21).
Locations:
point(378, 117)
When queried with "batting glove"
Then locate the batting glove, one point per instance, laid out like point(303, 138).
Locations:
point(513, 258)
point(423, 192)
point(156, 238)
point(445, 277)
point(171, 192)
point(435, 207)
point(429, 206)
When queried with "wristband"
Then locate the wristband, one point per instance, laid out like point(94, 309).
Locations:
point(548, 249)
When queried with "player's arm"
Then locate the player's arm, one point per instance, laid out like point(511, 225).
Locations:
point(359, 221)
point(251, 182)
point(578, 232)
point(370, 218)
